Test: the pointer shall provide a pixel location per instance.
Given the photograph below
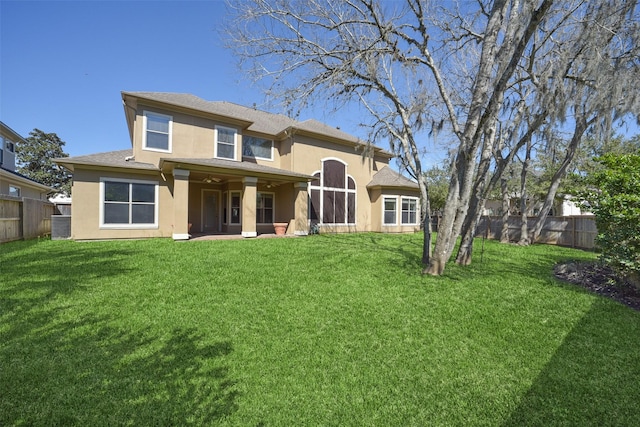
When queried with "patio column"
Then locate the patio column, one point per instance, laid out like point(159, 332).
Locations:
point(180, 204)
point(301, 209)
point(249, 197)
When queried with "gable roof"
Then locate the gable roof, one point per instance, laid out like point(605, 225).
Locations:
point(253, 119)
point(387, 177)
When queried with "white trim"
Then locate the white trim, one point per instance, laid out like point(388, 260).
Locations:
point(300, 233)
point(395, 199)
point(235, 142)
point(346, 191)
point(249, 234)
point(230, 207)
point(415, 199)
point(129, 226)
point(257, 157)
point(144, 131)
point(273, 208)
point(178, 236)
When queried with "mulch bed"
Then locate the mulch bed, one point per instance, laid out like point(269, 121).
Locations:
point(599, 279)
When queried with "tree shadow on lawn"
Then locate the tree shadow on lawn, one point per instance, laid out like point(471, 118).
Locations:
point(85, 372)
point(59, 370)
point(592, 378)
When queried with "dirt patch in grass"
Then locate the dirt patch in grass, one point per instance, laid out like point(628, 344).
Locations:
point(599, 279)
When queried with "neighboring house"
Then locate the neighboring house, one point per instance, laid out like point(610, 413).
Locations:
point(11, 182)
point(215, 167)
point(563, 206)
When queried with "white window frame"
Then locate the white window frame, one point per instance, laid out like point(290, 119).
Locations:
point(346, 190)
point(257, 157)
point(216, 142)
point(231, 193)
point(129, 226)
point(384, 210)
point(145, 130)
point(16, 190)
point(415, 199)
point(273, 207)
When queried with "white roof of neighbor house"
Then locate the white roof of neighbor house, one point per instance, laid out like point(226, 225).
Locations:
point(60, 199)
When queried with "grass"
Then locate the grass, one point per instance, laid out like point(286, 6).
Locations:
point(325, 330)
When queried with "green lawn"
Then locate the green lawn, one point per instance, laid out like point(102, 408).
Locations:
point(328, 330)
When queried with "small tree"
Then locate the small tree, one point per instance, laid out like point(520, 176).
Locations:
point(614, 198)
point(35, 160)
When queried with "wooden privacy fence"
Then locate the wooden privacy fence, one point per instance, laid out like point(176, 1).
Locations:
point(577, 231)
point(24, 218)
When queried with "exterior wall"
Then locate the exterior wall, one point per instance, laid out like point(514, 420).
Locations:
point(307, 158)
point(85, 220)
point(377, 210)
point(192, 137)
point(26, 190)
point(7, 157)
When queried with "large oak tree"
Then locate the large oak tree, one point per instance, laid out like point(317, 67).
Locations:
point(493, 75)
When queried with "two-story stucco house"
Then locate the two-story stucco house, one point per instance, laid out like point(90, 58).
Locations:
point(215, 167)
point(12, 183)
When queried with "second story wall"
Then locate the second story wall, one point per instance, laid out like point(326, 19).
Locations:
point(161, 133)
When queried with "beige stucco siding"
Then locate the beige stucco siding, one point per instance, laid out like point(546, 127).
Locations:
point(377, 209)
point(25, 189)
point(86, 205)
point(192, 137)
point(307, 157)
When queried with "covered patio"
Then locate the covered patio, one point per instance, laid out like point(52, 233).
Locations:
point(214, 197)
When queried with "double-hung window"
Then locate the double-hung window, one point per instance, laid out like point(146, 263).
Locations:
point(409, 211)
point(225, 146)
point(264, 208)
point(257, 148)
point(131, 204)
point(389, 210)
point(157, 132)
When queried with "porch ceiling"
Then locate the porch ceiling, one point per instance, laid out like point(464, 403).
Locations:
point(219, 170)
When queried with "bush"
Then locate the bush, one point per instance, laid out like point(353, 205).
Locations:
point(614, 198)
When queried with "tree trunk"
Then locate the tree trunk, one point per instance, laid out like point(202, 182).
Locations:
point(478, 198)
point(504, 233)
point(524, 231)
point(581, 127)
point(425, 211)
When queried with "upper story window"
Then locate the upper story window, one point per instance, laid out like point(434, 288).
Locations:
point(157, 132)
point(225, 146)
point(257, 148)
point(11, 147)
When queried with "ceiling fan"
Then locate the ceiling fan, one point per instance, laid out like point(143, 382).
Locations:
point(211, 179)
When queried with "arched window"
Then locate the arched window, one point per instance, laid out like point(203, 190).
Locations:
point(332, 194)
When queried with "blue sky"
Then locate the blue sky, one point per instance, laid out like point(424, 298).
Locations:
point(64, 64)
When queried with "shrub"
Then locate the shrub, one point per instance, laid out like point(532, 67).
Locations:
point(614, 198)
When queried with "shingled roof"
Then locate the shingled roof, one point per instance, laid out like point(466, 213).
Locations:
point(387, 177)
point(262, 121)
point(111, 158)
point(257, 120)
